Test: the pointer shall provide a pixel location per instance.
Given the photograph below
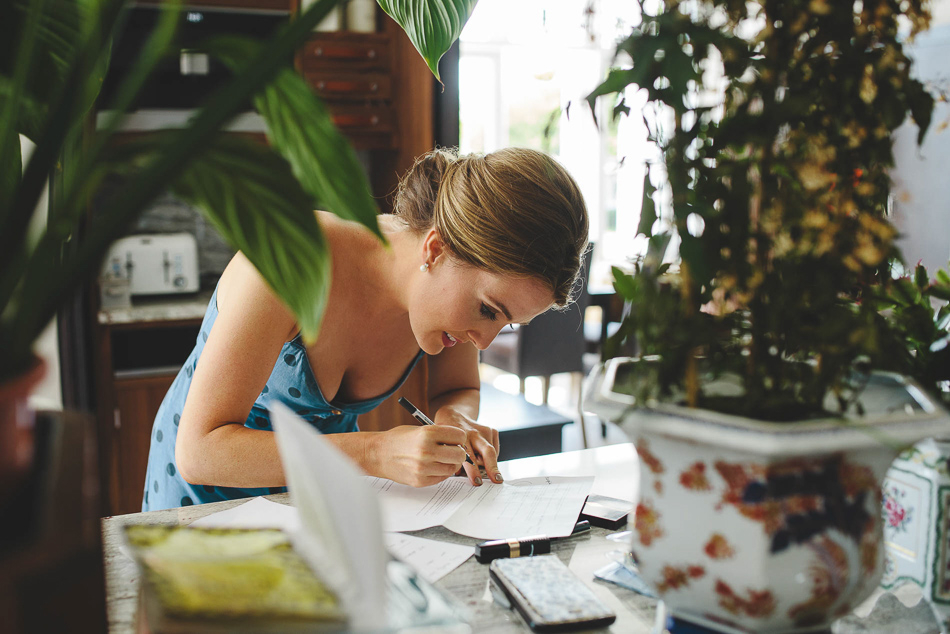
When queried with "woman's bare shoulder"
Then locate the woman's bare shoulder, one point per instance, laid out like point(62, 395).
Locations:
point(242, 290)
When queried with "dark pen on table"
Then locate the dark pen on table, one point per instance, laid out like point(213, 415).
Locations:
point(425, 420)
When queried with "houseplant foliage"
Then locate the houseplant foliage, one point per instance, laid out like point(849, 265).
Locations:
point(773, 121)
point(53, 55)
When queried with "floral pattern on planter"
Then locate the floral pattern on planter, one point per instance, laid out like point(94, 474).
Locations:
point(675, 578)
point(830, 576)
point(658, 487)
point(646, 457)
point(797, 499)
point(760, 603)
point(719, 548)
point(695, 478)
point(648, 523)
point(897, 516)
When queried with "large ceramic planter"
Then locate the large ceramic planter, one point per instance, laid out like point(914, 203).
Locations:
point(749, 526)
point(916, 526)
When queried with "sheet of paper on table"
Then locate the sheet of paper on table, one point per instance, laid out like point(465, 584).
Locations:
point(257, 513)
point(546, 505)
point(432, 559)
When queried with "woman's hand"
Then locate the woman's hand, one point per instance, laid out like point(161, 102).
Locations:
point(481, 443)
point(420, 456)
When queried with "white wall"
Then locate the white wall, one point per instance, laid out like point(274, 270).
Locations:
point(921, 176)
point(49, 394)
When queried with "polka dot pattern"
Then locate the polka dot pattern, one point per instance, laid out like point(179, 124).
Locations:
point(291, 382)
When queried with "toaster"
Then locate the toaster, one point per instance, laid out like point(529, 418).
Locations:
point(154, 264)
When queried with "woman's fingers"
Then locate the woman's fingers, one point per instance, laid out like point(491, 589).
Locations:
point(485, 449)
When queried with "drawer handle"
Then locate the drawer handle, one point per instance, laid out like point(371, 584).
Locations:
point(356, 121)
point(374, 87)
point(345, 53)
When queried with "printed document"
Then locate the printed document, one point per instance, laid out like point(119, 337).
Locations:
point(545, 505)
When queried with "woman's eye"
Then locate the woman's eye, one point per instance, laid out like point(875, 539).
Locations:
point(488, 312)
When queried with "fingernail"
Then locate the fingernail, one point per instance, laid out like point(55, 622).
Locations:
point(498, 478)
point(478, 481)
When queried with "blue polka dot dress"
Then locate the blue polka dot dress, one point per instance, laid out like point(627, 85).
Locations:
point(291, 382)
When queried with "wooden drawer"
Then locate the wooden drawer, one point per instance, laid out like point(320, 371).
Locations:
point(353, 86)
point(372, 120)
point(346, 52)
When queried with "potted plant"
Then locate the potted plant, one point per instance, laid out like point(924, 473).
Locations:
point(763, 435)
point(53, 56)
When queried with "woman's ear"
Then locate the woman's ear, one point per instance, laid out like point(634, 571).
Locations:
point(432, 246)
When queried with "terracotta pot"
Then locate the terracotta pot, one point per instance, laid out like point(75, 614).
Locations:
point(16, 428)
point(751, 526)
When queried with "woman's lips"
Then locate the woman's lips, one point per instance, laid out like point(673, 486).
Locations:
point(448, 340)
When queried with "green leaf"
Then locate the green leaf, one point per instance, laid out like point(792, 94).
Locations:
point(943, 277)
point(300, 127)
point(251, 196)
point(11, 168)
point(647, 208)
point(920, 277)
point(616, 82)
point(940, 292)
point(623, 283)
point(432, 25)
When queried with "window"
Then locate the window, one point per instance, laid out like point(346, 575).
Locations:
point(525, 68)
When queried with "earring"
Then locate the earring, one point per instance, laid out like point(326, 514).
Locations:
point(425, 267)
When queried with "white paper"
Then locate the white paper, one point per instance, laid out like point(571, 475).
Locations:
point(341, 529)
point(407, 508)
point(256, 513)
point(430, 558)
point(544, 505)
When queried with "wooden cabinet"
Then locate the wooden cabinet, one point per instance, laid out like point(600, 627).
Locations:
point(136, 361)
point(137, 400)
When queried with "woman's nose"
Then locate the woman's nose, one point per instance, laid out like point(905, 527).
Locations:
point(483, 337)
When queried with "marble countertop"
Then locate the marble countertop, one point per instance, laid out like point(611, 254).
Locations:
point(169, 308)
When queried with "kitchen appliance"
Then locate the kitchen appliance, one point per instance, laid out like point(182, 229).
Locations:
point(154, 264)
point(185, 80)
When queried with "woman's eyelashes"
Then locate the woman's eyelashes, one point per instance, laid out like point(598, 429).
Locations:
point(488, 312)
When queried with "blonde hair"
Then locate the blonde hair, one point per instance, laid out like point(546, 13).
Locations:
point(513, 212)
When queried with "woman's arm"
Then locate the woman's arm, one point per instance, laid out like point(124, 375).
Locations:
point(453, 397)
point(214, 447)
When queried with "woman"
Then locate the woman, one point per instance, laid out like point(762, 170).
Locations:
point(476, 243)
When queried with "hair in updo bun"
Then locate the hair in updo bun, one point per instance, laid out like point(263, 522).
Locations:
point(513, 212)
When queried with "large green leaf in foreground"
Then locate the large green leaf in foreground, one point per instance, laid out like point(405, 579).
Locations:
point(432, 25)
point(251, 196)
point(300, 127)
